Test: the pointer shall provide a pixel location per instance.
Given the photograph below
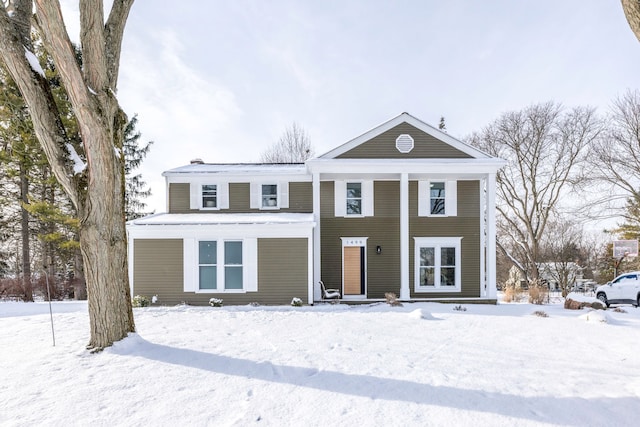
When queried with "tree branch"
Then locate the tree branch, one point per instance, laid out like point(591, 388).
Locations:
point(114, 30)
point(35, 89)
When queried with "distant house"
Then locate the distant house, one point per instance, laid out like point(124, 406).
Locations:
point(403, 208)
point(554, 274)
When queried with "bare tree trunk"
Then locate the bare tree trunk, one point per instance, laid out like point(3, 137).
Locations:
point(96, 187)
point(632, 12)
point(25, 235)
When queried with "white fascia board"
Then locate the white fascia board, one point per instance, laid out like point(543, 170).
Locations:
point(411, 166)
point(417, 123)
point(236, 178)
point(230, 231)
point(242, 170)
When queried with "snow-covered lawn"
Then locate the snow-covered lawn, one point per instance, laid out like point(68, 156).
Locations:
point(421, 364)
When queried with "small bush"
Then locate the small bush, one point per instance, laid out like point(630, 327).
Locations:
point(140, 301)
point(460, 307)
point(511, 293)
point(296, 302)
point(215, 302)
point(254, 304)
point(619, 310)
point(538, 292)
point(392, 299)
point(540, 313)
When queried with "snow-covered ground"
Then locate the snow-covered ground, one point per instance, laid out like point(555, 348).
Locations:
point(421, 364)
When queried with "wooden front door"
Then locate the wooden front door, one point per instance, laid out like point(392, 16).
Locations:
point(354, 270)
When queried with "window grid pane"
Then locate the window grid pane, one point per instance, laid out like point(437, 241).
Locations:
point(232, 253)
point(208, 277)
point(233, 277)
point(354, 198)
point(269, 195)
point(209, 196)
point(208, 253)
point(437, 197)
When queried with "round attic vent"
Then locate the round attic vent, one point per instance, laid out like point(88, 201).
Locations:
point(404, 143)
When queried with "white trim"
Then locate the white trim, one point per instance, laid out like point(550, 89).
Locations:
point(283, 194)
point(450, 198)
point(310, 269)
point(483, 237)
point(408, 118)
point(340, 198)
point(316, 238)
point(437, 243)
point(189, 257)
point(459, 168)
point(367, 197)
point(250, 264)
point(405, 293)
point(491, 237)
point(255, 195)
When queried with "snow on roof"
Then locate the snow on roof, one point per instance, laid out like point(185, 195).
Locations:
point(223, 218)
point(239, 168)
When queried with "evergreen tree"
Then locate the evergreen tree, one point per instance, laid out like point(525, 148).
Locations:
point(135, 187)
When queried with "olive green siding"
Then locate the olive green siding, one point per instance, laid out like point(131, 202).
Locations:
point(300, 199)
point(466, 225)
point(158, 269)
point(383, 146)
point(179, 198)
point(383, 229)
point(282, 273)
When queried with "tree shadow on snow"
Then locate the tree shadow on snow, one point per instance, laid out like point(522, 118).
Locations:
point(554, 410)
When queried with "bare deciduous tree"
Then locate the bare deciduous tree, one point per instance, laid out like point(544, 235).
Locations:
point(561, 246)
point(294, 146)
point(616, 156)
point(91, 173)
point(544, 145)
point(632, 12)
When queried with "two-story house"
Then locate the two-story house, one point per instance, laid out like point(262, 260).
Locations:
point(403, 208)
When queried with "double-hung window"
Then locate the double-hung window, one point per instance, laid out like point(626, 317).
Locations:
point(230, 273)
point(233, 265)
point(354, 198)
point(269, 196)
point(209, 196)
point(437, 264)
point(208, 264)
point(437, 198)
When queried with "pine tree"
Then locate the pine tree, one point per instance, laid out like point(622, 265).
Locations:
point(135, 187)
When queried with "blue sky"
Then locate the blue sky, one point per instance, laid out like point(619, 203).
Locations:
point(221, 80)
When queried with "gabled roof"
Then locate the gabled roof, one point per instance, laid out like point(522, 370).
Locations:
point(417, 123)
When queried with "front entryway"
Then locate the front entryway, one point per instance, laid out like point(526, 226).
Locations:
point(354, 267)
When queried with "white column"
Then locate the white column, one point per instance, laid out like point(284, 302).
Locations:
point(311, 269)
point(483, 237)
point(491, 236)
point(316, 236)
point(404, 237)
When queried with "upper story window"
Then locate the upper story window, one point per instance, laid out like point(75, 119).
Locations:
point(437, 198)
point(354, 198)
point(269, 196)
point(210, 196)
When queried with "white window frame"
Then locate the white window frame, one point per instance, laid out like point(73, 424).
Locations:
point(450, 195)
point(282, 195)
point(366, 194)
point(437, 243)
point(269, 207)
point(202, 196)
point(347, 198)
point(195, 196)
point(249, 266)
